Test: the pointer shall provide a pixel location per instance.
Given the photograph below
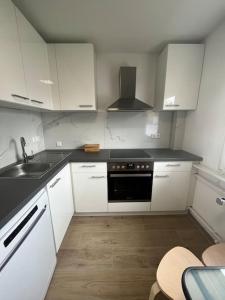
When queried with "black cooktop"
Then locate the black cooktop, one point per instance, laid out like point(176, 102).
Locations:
point(129, 153)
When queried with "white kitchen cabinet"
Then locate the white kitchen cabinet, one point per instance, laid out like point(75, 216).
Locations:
point(61, 203)
point(35, 63)
point(29, 259)
point(74, 64)
point(178, 77)
point(170, 186)
point(12, 81)
point(90, 188)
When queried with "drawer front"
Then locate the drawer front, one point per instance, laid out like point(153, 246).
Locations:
point(173, 166)
point(88, 167)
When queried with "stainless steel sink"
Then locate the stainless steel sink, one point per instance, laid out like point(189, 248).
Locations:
point(26, 170)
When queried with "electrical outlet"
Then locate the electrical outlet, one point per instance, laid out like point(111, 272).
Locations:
point(155, 135)
point(36, 139)
point(59, 144)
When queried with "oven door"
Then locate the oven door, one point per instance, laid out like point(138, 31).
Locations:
point(129, 187)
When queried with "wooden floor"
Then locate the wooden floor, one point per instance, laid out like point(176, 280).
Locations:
point(115, 258)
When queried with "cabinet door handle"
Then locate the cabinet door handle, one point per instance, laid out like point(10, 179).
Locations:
point(97, 177)
point(161, 176)
point(55, 182)
point(88, 166)
point(172, 105)
point(85, 105)
point(173, 165)
point(37, 101)
point(19, 96)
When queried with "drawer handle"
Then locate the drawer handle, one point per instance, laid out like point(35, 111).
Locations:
point(18, 96)
point(55, 182)
point(37, 101)
point(172, 105)
point(88, 166)
point(161, 176)
point(173, 165)
point(85, 105)
point(97, 177)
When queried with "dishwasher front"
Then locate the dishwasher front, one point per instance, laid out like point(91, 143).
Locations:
point(27, 252)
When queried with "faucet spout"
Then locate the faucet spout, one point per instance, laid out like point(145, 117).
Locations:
point(23, 144)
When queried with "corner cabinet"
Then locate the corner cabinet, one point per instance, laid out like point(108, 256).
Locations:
point(90, 187)
point(170, 186)
point(178, 77)
point(72, 65)
point(61, 203)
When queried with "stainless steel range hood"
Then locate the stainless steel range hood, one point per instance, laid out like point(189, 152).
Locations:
point(127, 100)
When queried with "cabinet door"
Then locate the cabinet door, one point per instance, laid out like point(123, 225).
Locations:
point(61, 203)
point(170, 191)
point(90, 192)
point(183, 75)
point(178, 77)
point(75, 67)
point(35, 61)
point(12, 80)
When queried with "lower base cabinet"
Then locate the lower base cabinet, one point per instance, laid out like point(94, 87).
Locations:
point(61, 203)
point(169, 191)
point(170, 186)
point(90, 187)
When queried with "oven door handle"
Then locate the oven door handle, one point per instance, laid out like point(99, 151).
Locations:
point(130, 175)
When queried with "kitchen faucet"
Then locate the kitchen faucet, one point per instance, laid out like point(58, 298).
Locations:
point(25, 156)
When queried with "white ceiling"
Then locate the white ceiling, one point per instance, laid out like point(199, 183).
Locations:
point(123, 25)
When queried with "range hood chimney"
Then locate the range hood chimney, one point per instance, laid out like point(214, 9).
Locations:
point(127, 100)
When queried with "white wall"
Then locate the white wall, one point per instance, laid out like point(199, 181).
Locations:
point(113, 130)
point(205, 127)
point(107, 74)
point(13, 125)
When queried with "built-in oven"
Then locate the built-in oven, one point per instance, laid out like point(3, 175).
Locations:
point(130, 182)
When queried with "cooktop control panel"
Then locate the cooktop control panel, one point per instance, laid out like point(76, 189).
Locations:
point(130, 166)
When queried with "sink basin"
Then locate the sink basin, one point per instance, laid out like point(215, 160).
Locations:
point(26, 170)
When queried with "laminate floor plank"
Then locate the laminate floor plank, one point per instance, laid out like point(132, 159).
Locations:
point(116, 258)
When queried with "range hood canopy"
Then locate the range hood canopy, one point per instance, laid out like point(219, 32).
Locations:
point(127, 100)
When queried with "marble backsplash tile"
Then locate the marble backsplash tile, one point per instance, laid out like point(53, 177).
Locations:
point(14, 124)
point(111, 130)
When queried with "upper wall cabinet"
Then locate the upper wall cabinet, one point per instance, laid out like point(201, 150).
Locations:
point(178, 77)
point(74, 65)
point(35, 62)
point(12, 82)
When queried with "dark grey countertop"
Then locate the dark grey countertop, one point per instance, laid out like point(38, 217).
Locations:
point(172, 155)
point(78, 155)
point(17, 192)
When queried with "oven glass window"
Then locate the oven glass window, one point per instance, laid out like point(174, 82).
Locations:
point(129, 189)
